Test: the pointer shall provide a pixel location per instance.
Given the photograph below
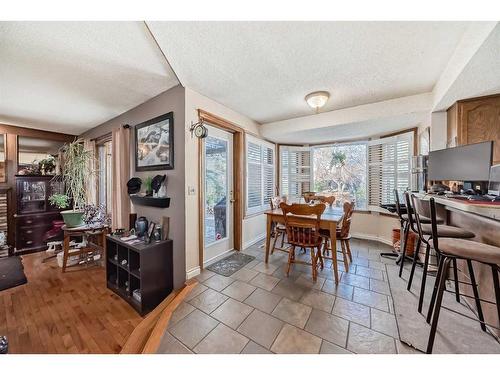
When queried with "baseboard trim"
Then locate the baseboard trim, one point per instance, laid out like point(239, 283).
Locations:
point(363, 236)
point(192, 273)
point(253, 241)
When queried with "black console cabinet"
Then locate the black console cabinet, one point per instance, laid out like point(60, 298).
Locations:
point(149, 268)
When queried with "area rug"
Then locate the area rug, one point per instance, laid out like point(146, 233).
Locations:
point(455, 334)
point(11, 273)
point(230, 264)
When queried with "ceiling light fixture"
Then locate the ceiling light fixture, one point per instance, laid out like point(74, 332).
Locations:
point(317, 99)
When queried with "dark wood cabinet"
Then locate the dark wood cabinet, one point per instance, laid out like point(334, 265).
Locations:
point(148, 270)
point(36, 219)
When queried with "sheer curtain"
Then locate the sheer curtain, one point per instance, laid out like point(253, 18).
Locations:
point(120, 203)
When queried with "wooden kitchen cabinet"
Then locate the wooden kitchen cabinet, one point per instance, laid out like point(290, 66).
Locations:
point(473, 121)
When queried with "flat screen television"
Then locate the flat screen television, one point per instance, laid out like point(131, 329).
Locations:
point(464, 163)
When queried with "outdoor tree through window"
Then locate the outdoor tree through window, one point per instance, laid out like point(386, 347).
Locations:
point(341, 170)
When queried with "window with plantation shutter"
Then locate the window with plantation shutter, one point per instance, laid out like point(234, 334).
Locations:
point(260, 174)
point(295, 171)
point(389, 166)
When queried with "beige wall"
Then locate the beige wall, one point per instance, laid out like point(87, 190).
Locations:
point(373, 226)
point(251, 226)
point(170, 100)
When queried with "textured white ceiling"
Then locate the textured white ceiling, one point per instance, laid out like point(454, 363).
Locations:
point(71, 76)
point(264, 69)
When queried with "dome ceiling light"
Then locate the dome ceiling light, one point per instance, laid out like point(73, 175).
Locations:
point(317, 99)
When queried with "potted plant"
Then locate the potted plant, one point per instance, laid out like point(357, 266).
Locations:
point(76, 168)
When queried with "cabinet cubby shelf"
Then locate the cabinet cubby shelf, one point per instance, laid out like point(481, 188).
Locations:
point(155, 279)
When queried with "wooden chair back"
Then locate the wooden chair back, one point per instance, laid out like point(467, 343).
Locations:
point(275, 201)
point(346, 219)
point(329, 200)
point(302, 223)
point(308, 195)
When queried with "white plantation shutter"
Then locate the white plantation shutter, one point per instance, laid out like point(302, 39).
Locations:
point(389, 166)
point(295, 171)
point(260, 174)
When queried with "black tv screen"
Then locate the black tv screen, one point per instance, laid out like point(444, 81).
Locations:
point(464, 163)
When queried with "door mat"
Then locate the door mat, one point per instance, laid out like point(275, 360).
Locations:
point(230, 264)
point(11, 273)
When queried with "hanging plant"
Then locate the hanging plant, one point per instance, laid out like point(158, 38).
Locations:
point(76, 170)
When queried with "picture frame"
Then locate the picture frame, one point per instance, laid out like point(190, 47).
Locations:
point(154, 144)
point(150, 231)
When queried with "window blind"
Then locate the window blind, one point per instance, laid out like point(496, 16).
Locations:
point(295, 171)
point(260, 174)
point(389, 163)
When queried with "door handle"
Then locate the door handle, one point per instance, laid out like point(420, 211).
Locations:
point(231, 194)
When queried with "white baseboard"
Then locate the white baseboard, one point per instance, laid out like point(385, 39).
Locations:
point(363, 236)
point(253, 241)
point(192, 273)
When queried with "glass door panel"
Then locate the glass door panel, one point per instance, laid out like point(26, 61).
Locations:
point(216, 189)
point(32, 196)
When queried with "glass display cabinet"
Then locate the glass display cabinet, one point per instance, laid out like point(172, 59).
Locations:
point(36, 218)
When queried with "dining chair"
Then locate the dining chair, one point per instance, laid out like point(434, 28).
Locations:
point(343, 236)
point(278, 230)
point(308, 195)
point(329, 200)
point(302, 223)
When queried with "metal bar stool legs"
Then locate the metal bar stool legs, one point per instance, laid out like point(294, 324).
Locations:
point(443, 268)
point(455, 279)
point(424, 278)
point(405, 236)
point(415, 261)
point(496, 284)
point(476, 295)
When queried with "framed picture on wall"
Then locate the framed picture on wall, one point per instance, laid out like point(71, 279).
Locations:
point(154, 144)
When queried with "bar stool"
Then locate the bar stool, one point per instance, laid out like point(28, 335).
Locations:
point(407, 218)
point(401, 212)
point(451, 249)
point(424, 232)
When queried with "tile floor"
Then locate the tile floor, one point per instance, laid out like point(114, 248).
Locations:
point(260, 310)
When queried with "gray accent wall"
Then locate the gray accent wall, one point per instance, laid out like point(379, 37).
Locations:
point(170, 100)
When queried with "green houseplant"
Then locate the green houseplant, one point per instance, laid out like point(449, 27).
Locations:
point(76, 169)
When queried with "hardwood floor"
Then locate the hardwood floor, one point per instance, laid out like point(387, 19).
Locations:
point(72, 312)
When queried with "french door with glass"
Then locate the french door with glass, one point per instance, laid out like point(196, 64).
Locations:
point(217, 194)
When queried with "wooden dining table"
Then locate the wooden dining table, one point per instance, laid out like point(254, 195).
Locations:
point(329, 219)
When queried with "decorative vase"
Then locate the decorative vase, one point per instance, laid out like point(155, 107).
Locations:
point(141, 226)
point(73, 218)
